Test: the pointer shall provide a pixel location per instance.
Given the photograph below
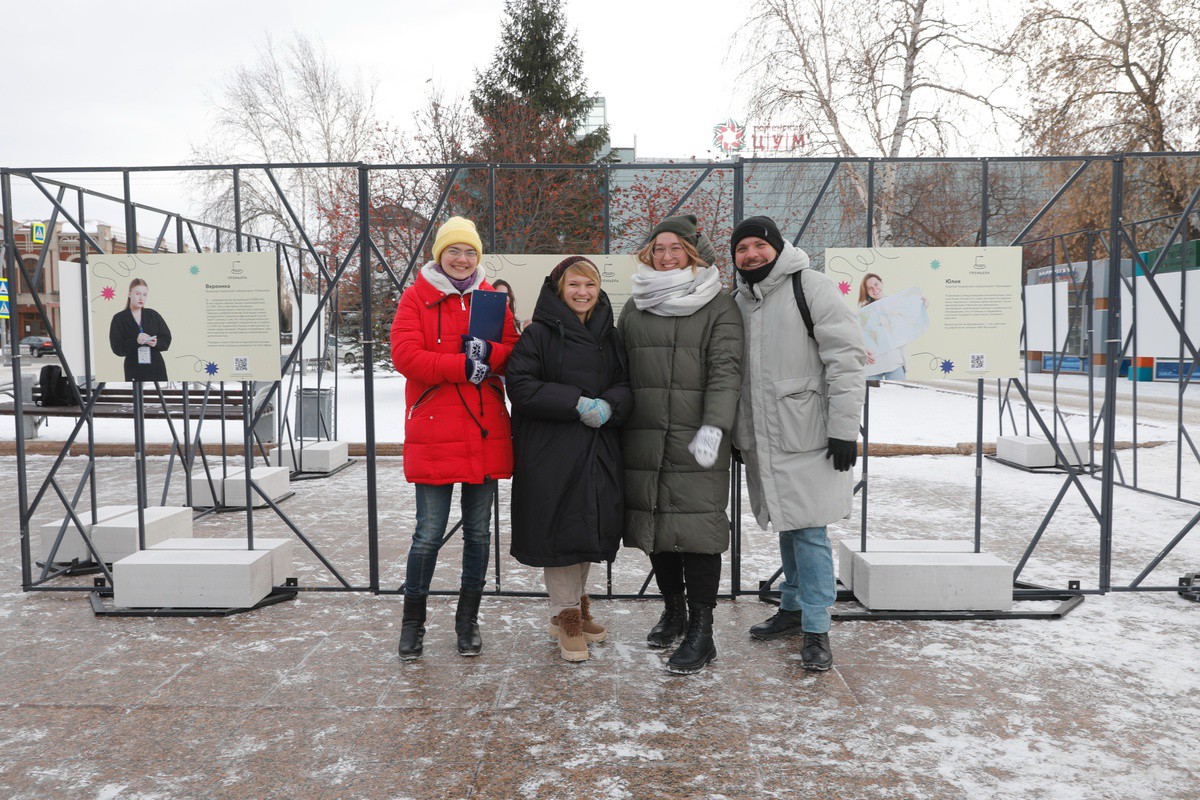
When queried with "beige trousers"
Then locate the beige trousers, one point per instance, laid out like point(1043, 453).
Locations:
point(566, 585)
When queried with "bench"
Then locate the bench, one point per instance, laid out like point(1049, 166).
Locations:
point(116, 402)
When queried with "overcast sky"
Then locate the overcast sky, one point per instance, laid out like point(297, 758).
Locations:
point(127, 82)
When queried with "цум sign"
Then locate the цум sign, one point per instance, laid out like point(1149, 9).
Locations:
point(730, 137)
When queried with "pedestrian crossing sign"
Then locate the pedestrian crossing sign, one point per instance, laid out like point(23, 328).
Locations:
point(3, 289)
point(37, 232)
point(3, 309)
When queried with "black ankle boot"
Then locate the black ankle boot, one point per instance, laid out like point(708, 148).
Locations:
point(671, 624)
point(698, 648)
point(412, 630)
point(816, 656)
point(784, 623)
point(466, 623)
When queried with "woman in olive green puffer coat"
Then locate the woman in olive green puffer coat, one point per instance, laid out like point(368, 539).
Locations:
point(683, 337)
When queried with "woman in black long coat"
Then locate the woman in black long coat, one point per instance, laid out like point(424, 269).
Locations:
point(140, 335)
point(570, 392)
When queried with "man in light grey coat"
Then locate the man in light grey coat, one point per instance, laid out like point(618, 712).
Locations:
point(797, 424)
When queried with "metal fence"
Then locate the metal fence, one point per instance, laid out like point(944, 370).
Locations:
point(380, 220)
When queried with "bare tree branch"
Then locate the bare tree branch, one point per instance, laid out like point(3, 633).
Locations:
point(292, 105)
point(871, 79)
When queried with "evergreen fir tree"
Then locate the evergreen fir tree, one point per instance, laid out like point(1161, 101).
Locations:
point(532, 104)
point(539, 67)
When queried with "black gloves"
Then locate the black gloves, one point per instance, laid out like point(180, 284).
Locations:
point(736, 454)
point(843, 453)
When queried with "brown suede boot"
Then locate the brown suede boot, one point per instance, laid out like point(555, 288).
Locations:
point(571, 643)
point(592, 631)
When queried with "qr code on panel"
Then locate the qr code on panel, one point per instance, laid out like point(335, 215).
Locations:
point(978, 362)
point(241, 365)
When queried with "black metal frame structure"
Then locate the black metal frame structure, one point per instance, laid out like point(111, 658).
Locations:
point(812, 222)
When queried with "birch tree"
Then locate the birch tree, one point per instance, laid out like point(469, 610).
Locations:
point(891, 78)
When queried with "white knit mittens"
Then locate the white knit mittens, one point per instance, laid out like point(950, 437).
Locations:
point(704, 445)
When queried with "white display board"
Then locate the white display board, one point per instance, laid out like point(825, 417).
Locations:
point(1156, 335)
point(222, 311)
point(302, 313)
point(940, 312)
point(1047, 320)
point(71, 319)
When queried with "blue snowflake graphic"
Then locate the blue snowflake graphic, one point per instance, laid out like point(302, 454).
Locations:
point(947, 366)
point(194, 269)
point(935, 264)
point(210, 368)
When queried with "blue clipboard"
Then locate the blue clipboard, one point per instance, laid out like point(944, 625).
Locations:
point(487, 315)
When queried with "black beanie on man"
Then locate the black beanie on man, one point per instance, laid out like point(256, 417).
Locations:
point(687, 227)
point(762, 227)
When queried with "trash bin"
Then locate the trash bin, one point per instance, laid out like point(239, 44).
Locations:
point(314, 413)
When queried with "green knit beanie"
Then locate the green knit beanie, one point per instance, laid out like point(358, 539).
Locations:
point(687, 227)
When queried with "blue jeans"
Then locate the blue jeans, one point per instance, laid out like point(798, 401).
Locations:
point(898, 374)
point(433, 514)
point(808, 583)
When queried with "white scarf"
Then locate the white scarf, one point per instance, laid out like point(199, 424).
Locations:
point(675, 293)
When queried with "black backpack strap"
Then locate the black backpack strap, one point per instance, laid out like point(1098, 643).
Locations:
point(801, 303)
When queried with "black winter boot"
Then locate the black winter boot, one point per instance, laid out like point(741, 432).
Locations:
point(671, 624)
point(466, 623)
point(698, 648)
point(412, 630)
point(784, 623)
point(816, 656)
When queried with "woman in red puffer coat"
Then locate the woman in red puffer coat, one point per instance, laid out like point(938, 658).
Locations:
point(456, 427)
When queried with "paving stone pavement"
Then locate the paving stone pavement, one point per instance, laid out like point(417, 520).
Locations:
point(307, 699)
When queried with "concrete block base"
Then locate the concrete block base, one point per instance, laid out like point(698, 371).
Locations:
point(848, 548)
point(282, 566)
point(203, 494)
point(72, 546)
point(1034, 452)
point(275, 481)
point(323, 456)
point(117, 537)
point(192, 579)
point(915, 581)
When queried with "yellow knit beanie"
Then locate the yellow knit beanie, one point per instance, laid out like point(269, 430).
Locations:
point(456, 230)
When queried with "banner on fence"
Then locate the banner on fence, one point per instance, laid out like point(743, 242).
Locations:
point(203, 317)
point(934, 312)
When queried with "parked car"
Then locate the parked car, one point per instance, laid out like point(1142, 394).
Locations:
point(38, 345)
point(349, 351)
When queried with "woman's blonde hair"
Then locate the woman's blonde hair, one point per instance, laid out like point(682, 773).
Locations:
point(646, 255)
point(581, 267)
point(863, 297)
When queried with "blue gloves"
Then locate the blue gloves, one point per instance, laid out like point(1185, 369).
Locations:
point(475, 348)
point(477, 371)
point(593, 412)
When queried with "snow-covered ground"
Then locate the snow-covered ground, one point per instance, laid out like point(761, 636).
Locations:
point(306, 699)
point(941, 413)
